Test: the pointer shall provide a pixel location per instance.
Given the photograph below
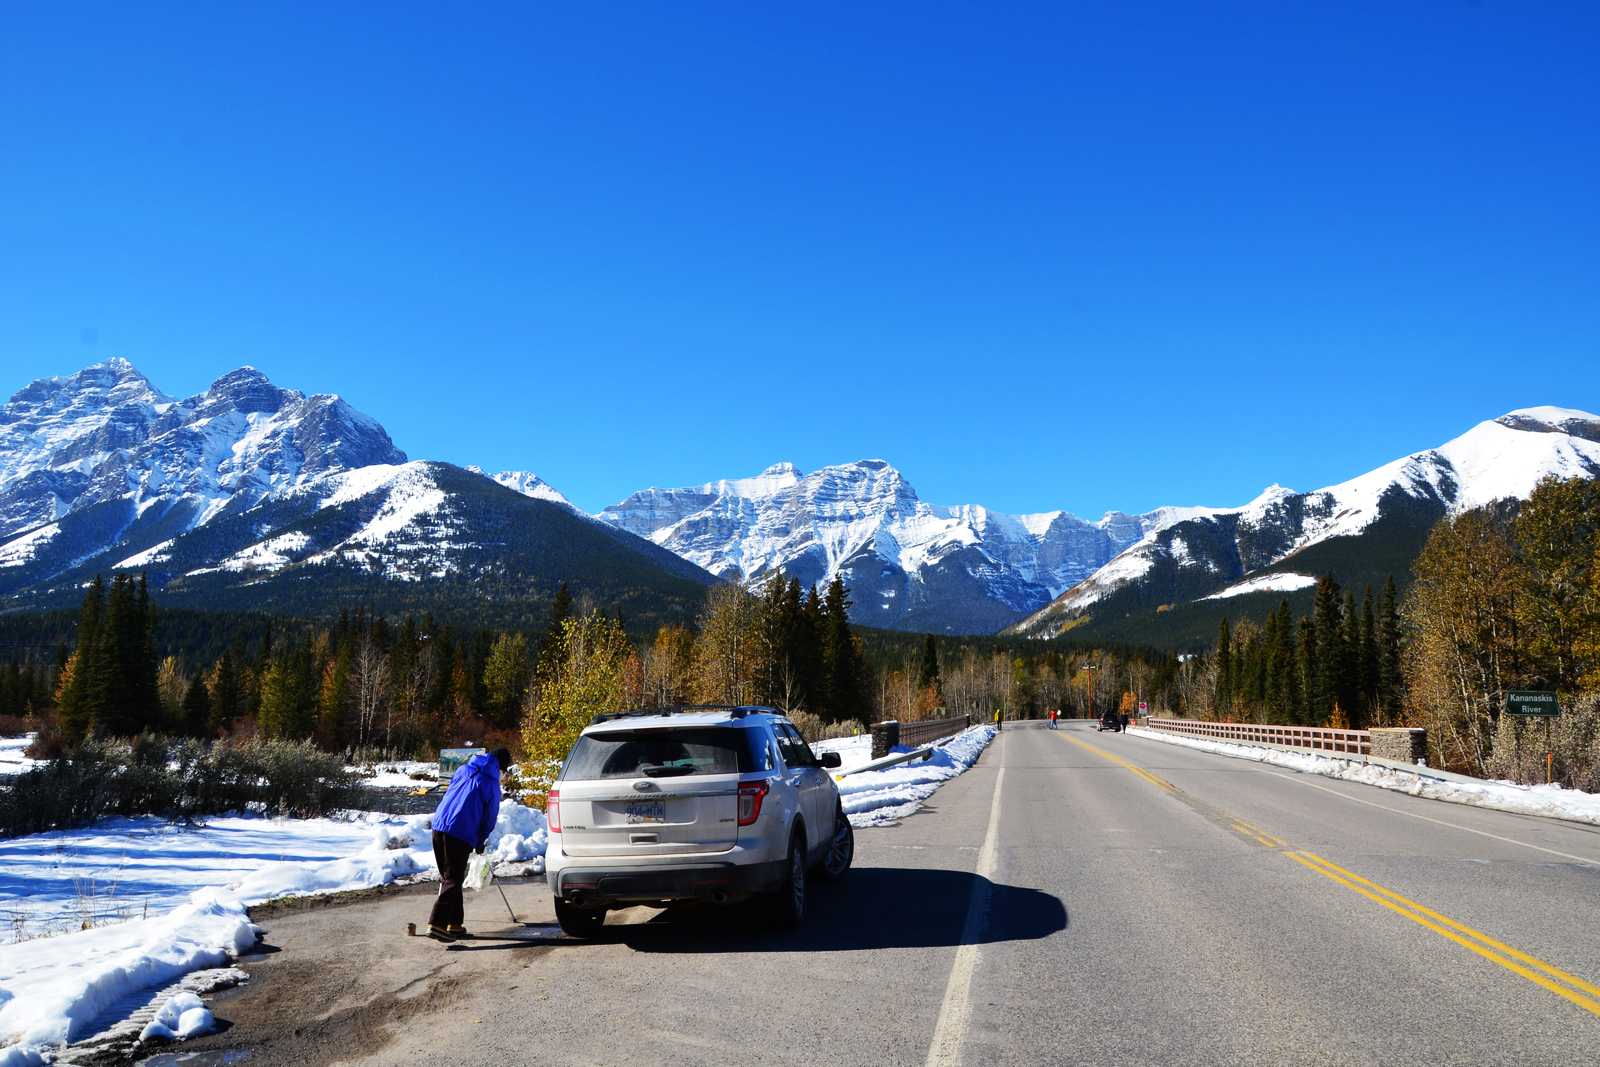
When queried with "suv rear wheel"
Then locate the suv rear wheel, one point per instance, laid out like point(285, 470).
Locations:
point(841, 850)
point(579, 922)
point(788, 904)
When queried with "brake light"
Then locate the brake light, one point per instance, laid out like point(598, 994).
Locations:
point(750, 797)
point(552, 811)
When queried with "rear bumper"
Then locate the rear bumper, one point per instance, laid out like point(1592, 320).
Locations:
point(689, 882)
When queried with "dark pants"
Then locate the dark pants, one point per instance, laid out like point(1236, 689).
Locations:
point(451, 854)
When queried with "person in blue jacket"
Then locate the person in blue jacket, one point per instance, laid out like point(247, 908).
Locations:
point(461, 826)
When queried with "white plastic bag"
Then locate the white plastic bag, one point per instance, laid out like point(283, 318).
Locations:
point(480, 871)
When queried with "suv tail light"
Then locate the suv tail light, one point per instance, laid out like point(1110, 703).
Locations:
point(552, 811)
point(750, 797)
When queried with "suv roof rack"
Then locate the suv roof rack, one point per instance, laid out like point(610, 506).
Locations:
point(736, 711)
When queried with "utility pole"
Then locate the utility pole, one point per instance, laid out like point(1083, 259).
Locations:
point(1088, 685)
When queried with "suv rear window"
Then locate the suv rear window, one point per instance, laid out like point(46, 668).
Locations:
point(659, 753)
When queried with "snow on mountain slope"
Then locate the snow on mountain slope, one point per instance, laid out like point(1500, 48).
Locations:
point(909, 564)
point(529, 484)
point(1495, 460)
point(106, 437)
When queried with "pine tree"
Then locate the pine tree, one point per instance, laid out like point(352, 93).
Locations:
point(1285, 690)
point(1326, 681)
point(196, 706)
point(1369, 662)
point(551, 642)
point(78, 703)
point(1350, 662)
point(842, 658)
point(225, 695)
point(1388, 686)
point(482, 646)
point(1305, 671)
point(928, 669)
point(1222, 697)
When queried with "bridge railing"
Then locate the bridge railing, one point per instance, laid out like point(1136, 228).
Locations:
point(886, 735)
point(1319, 738)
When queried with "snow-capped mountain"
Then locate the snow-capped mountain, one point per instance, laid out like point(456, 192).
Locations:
point(529, 484)
point(107, 435)
point(909, 564)
point(238, 495)
point(1219, 553)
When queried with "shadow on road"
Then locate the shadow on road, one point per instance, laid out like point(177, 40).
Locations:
point(876, 907)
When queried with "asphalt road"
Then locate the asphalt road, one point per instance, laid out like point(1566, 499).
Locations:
point(1073, 898)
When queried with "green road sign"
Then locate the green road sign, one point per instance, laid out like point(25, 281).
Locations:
point(1532, 702)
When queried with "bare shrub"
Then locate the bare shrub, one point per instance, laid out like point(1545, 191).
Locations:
point(176, 779)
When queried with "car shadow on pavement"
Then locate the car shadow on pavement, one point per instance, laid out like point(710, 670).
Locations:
point(875, 907)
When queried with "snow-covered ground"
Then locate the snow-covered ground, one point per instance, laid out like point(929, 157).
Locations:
point(12, 760)
point(879, 798)
point(1551, 801)
point(398, 774)
point(162, 900)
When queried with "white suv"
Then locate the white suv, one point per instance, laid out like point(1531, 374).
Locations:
point(692, 805)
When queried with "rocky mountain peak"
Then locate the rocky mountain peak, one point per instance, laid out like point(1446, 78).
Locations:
point(1553, 420)
point(245, 390)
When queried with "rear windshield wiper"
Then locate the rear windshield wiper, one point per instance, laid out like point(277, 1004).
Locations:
point(666, 772)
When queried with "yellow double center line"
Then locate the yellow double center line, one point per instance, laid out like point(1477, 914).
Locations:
point(1535, 970)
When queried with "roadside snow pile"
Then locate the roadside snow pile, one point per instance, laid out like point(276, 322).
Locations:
point(879, 798)
point(125, 868)
point(162, 901)
point(520, 834)
point(181, 1016)
point(12, 760)
point(1550, 801)
point(51, 989)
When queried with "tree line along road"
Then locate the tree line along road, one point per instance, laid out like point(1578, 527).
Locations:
point(1073, 898)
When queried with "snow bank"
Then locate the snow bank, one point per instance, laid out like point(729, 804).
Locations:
point(183, 893)
point(52, 988)
point(878, 798)
point(181, 1016)
point(1550, 801)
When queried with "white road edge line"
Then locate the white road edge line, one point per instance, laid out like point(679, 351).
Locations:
point(1441, 822)
point(952, 1026)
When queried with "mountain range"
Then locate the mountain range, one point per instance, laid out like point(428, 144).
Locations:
point(248, 495)
point(251, 496)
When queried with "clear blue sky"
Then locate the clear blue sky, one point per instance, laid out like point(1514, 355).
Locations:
point(1081, 256)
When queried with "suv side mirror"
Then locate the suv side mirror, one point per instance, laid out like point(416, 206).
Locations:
point(831, 760)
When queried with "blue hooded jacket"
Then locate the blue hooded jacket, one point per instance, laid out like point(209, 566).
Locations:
point(472, 803)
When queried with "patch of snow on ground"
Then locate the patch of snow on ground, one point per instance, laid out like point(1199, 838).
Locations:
point(1550, 801)
point(880, 798)
point(12, 759)
point(397, 774)
point(163, 900)
point(52, 988)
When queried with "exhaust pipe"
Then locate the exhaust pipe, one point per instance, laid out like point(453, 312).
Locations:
point(577, 899)
point(719, 897)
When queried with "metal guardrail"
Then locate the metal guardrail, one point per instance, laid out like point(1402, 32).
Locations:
point(1315, 738)
point(1420, 769)
point(887, 761)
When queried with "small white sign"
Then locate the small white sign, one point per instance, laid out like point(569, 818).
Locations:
point(1143, 707)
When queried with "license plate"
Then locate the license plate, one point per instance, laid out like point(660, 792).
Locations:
point(649, 811)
